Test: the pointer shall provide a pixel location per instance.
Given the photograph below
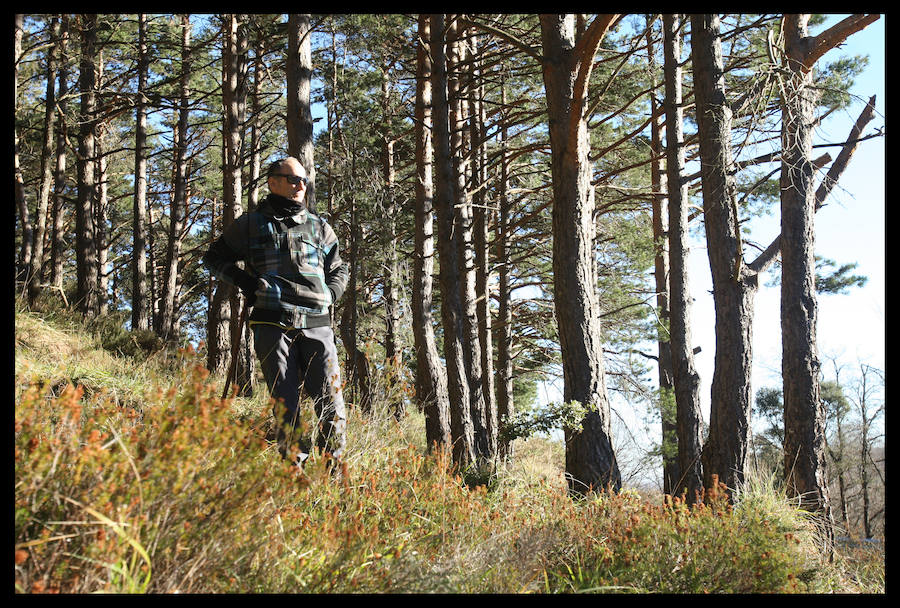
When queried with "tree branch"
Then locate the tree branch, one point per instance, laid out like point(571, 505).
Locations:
point(771, 252)
point(584, 52)
point(516, 42)
point(835, 35)
point(846, 153)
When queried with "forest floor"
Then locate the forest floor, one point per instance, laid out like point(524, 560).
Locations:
point(133, 475)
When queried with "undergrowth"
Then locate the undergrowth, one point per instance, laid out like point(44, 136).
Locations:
point(174, 489)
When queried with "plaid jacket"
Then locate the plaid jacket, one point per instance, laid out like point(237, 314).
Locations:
point(295, 258)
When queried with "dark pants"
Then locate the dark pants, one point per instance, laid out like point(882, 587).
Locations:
point(295, 359)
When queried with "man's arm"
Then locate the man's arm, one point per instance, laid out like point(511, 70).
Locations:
point(221, 257)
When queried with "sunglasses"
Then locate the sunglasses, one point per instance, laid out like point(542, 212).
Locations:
point(293, 179)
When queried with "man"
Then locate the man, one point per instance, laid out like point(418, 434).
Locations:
point(293, 274)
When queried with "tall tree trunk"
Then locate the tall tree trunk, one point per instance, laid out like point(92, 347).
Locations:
point(671, 473)
point(431, 381)
point(59, 184)
point(299, 113)
point(24, 259)
point(457, 56)
point(178, 205)
point(101, 220)
point(391, 281)
point(505, 402)
point(358, 368)
point(734, 285)
point(87, 298)
point(140, 316)
point(686, 380)
point(36, 274)
point(234, 100)
point(331, 117)
point(153, 267)
point(450, 281)
point(481, 220)
point(804, 412)
point(255, 135)
point(590, 458)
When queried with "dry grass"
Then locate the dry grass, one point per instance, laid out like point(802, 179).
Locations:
point(173, 489)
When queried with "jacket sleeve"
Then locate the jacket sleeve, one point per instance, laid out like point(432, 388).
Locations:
point(229, 248)
point(336, 270)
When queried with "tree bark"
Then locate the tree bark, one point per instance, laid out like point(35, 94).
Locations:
point(178, 205)
point(299, 112)
point(462, 235)
point(391, 281)
point(234, 98)
point(734, 285)
point(505, 401)
point(590, 458)
point(87, 298)
point(101, 214)
point(462, 433)
point(24, 260)
point(481, 216)
point(36, 274)
point(686, 380)
point(658, 184)
point(431, 381)
point(804, 412)
point(56, 240)
point(140, 317)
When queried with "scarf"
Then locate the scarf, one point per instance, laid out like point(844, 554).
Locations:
point(284, 207)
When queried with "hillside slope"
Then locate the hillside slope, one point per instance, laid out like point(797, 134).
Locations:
point(133, 475)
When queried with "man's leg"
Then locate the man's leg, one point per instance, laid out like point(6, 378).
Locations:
point(322, 382)
point(280, 368)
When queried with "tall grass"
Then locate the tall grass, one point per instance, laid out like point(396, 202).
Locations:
point(174, 489)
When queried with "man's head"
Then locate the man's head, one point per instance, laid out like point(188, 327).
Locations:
point(282, 177)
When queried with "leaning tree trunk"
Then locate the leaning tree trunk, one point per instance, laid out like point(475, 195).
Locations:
point(734, 285)
point(431, 380)
point(686, 380)
point(590, 459)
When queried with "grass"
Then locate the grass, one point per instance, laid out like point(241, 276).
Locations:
point(132, 475)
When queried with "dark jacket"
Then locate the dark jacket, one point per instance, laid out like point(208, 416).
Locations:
point(292, 263)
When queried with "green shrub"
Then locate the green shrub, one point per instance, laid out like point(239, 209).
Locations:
point(629, 545)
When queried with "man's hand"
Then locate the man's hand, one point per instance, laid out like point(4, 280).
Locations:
point(248, 286)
